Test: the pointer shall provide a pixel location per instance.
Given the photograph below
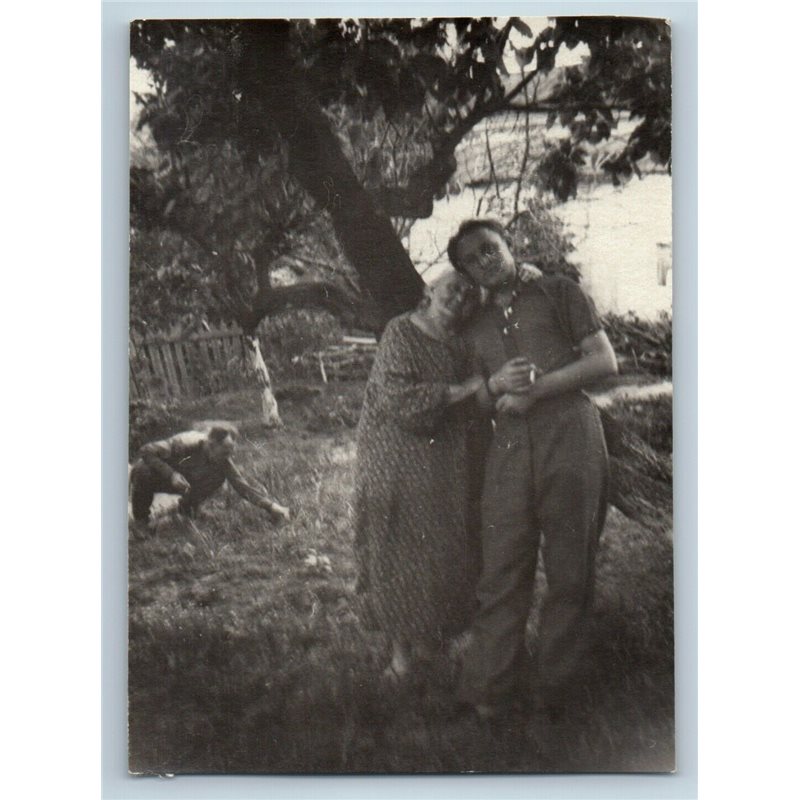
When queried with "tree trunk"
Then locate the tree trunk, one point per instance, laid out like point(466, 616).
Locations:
point(273, 299)
point(272, 95)
point(304, 294)
point(269, 405)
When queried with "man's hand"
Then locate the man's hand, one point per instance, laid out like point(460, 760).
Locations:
point(513, 376)
point(279, 513)
point(516, 404)
point(179, 483)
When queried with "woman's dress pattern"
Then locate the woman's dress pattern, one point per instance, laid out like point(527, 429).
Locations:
point(417, 562)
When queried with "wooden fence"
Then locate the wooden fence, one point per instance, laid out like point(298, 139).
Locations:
point(173, 366)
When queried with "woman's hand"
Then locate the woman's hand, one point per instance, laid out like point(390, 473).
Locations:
point(473, 384)
point(461, 391)
point(513, 376)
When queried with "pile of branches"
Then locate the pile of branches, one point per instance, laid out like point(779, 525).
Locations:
point(640, 456)
point(349, 361)
point(641, 345)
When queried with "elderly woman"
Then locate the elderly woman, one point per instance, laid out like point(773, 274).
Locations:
point(417, 570)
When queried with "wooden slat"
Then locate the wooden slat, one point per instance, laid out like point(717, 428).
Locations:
point(196, 355)
point(169, 368)
point(230, 347)
point(134, 389)
point(154, 361)
point(180, 378)
point(215, 348)
point(174, 365)
point(182, 364)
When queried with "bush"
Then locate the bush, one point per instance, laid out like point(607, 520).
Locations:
point(649, 418)
point(332, 411)
point(149, 420)
point(228, 375)
point(538, 236)
point(641, 345)
point(286, 337)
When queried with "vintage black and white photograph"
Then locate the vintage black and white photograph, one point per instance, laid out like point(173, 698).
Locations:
point(400, 396)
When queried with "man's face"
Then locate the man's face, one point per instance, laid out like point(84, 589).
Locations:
point(484, 255)
point(220, 449)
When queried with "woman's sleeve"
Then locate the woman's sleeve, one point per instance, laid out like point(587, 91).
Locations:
point(411, 400)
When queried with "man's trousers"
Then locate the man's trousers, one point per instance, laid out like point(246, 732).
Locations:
point(545, 484)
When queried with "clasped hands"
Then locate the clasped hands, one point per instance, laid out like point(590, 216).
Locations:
point(513, 382)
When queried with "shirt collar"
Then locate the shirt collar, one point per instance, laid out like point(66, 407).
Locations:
point(515, 291)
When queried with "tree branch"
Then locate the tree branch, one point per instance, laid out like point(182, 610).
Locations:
point(319, 294)
point(274, 94)
point(525, 155)
point(415, 200)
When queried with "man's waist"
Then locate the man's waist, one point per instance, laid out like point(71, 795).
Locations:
point(562, 404)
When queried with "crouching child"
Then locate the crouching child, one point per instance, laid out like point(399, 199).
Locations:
point(193, 464)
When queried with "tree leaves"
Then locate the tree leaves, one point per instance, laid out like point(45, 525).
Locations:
point(557, 171)
point(399, 93)
point(629, 68)
point(521, 26)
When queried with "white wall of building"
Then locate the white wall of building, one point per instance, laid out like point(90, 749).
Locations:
point(623, 241)
point(622, 236)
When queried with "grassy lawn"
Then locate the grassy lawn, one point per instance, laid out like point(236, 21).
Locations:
point(246, 654)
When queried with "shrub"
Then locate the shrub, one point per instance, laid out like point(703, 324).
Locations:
point(641, 345)
point(538, 235)
point(287, 337)
point(333, 411)
point(649, 418)
point(150, 419)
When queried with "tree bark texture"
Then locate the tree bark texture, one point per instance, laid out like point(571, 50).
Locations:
point(269, 405)
point(273, 97)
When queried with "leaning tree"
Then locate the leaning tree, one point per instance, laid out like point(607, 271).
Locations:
point(270, 133)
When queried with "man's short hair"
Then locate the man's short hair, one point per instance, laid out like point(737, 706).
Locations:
point(218, 431)
point(467, 227)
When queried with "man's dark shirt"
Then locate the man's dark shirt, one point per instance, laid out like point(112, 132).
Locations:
point(548, 319)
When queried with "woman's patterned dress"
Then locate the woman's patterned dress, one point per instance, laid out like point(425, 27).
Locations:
point(417, 563)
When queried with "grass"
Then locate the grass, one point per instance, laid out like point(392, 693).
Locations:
point(246, 654)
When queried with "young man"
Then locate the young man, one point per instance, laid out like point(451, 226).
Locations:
point(193, 464)
point(538, 343)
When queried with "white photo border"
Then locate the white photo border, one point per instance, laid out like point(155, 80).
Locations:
point(116, 17)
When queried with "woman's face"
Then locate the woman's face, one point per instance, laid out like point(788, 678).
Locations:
point(484, 255)
point(451, 298)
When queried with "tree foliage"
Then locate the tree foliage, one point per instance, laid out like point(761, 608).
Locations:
point(629, 68)
point(272, 135)
point(329, 137)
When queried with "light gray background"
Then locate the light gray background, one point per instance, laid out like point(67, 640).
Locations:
point(116, 783)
